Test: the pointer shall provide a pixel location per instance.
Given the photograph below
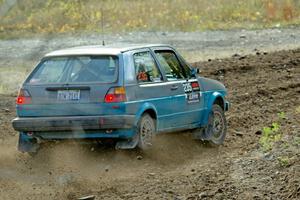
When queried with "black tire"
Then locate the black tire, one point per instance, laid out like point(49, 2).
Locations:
point(146, 132)
point(217, 125)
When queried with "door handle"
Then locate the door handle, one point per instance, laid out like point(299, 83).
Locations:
point(174, 87)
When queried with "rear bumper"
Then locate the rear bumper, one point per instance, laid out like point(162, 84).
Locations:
point(74, 123)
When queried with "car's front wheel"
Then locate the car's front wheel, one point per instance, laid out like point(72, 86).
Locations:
point(146, 131)
point(217, 125)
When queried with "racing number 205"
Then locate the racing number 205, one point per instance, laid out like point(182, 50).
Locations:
point(187, 87)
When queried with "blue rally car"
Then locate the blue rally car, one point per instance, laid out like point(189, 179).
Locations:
point(125, 93)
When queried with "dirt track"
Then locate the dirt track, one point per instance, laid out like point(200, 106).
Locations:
point(260, 86)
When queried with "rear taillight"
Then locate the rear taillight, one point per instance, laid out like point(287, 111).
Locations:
point(195, 86)
point(23, 97)
point(116, 94)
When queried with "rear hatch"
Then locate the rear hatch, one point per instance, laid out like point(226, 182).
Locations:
point(70, 86)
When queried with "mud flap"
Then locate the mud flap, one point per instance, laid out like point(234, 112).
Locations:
point(201, 134)
point(205, 133)
point(27, 144)
point(128, 144)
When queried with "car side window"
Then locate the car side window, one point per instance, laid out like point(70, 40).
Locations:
point(186, 69)
point(146, 69)
point(170, 64)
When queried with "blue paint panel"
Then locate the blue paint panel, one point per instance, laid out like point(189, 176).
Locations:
point(161, 99)
point(74, 109)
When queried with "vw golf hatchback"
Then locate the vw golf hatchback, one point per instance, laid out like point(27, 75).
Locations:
point(124, 93)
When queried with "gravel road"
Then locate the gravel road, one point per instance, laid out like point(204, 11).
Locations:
point(197, 45)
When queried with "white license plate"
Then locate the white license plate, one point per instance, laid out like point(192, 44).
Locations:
point(68, 95)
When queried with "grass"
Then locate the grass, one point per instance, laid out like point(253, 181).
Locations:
point(284, 161)
point(281, 141)
point(275, 133)
point(281, 115)
point(29, 17)
point(270, 135)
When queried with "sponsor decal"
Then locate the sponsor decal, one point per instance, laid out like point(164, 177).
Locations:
point(193, 97)
point(192, 91)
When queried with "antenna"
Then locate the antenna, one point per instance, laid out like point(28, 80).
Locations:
point(102, 26)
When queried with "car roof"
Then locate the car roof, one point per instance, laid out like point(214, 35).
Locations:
point(102, 50)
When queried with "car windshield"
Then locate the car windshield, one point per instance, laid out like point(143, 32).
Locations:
point(76, 69)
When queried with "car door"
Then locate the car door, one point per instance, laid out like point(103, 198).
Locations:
point(194, 99)
point(175, 78)
point(179, 73)
point(151, 88)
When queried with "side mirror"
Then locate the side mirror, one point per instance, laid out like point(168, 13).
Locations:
point(195, 71)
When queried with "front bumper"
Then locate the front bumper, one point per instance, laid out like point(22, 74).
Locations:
point(73, 123)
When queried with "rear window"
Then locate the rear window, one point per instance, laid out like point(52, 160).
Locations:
point(76, 69)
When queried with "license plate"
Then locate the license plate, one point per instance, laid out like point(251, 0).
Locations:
point(193, 97)
point(68, 95)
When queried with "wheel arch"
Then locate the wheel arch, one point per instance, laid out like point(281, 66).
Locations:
point(219, 101)
point(149, 109)
point(214, 98)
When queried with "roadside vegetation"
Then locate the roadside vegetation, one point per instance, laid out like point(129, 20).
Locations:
point(277, 141)
point(270, 136)
point(28, 17)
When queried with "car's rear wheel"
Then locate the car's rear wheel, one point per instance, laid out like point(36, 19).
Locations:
point(217, 125)
point(146, 131)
